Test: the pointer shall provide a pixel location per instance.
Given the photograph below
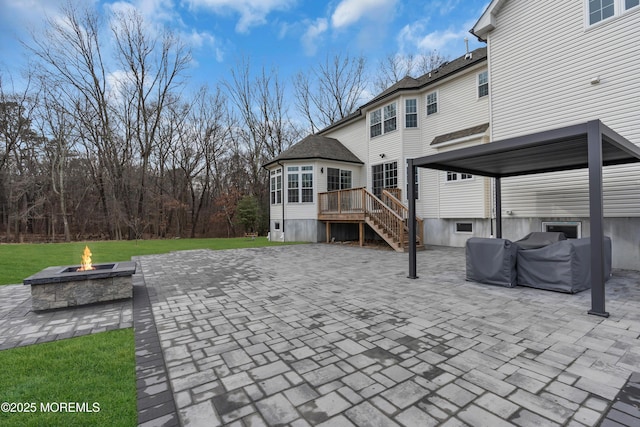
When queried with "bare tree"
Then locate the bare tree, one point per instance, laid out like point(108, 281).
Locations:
point(70, 58)
point(330, 91)
point(58, 125)
point(267, 129)
point(152, 66)
point(394, 67)
point(16, 138)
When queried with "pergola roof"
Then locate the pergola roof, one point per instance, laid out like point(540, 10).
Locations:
point(553, 150)
point(589, 145)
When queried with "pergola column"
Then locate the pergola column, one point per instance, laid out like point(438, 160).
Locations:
point(411, 197)
point(596, 214)
point(498, 207)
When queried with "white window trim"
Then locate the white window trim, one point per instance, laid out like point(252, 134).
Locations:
point(382, 120)
point(273, 175)
point(478, 85)
point(417, 126)
point(459, 180)
point(455, 227)
point(300, 172)
point(618, 11)
point(426, 103)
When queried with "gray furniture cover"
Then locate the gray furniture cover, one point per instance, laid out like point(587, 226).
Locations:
point(491, 261)
point(539, 239)
point(563, 266)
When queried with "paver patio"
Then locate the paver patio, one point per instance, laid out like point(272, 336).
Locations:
point(335, 335)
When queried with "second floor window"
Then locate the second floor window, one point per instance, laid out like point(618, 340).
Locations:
point(376, 127)
point(376, 123)
point(389, 117)
point(432, 103)
point(483, 84)
point(601, 10)
point(411, 113)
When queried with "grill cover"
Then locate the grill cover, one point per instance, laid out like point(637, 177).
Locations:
point(491, 261)
point(564, 266)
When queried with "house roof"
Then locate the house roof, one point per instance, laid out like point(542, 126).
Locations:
point(548, 151)
point(474, 130)
point(317, 147)
point(445, 70)
point(412, 84)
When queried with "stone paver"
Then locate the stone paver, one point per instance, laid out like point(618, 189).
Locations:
point(337, 335)
point(20, 326)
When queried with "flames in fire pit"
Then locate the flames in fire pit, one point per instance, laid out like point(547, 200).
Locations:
point(85, 265)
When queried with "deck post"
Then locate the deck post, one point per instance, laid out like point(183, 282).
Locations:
point(596, 213)
point(411, 197)
point(328, 231)
point(361, 232)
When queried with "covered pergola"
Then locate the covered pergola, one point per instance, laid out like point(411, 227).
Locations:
point(589, 145)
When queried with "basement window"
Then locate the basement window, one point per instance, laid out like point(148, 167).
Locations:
point(276, 226)
point(464, 227)
point(572, 230)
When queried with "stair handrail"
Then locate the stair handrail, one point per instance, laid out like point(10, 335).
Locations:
point(386, 216)
point(399, 206)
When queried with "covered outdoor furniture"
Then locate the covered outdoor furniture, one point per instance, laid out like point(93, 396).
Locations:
point(539, 239)
point(563, 266)
point(491, 261)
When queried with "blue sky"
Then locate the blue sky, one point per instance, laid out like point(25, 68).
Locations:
point(290, 35)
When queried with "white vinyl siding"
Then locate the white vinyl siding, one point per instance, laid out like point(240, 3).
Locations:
point(562, 95)
point(461, 109)
point(462, 199)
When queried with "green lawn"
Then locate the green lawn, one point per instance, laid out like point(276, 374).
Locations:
point(18, 261)
point(86, 370)
point(93, 369)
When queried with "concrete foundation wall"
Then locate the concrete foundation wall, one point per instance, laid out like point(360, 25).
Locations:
point(299, 230)
point(624, 233)
point(442, 232)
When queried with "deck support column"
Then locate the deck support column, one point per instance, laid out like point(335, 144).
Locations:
point(596, 213)
point(328, 231)
point(361, 233)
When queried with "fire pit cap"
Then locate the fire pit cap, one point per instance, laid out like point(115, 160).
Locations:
point(67, 274)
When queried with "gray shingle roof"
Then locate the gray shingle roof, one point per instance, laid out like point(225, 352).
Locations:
point(317, 147)
point(409, 83)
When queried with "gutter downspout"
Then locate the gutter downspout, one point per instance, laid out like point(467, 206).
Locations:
point(282, 195)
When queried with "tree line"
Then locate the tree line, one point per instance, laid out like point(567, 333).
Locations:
point(105, 141)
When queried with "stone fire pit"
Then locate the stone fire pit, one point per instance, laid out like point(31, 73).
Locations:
point(58, 287)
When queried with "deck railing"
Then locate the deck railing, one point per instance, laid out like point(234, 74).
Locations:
point(341, 201)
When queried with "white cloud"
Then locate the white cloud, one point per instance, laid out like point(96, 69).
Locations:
point(315, 29)
point(351, 11)
point(450, 41)
point(444, 6)
point(252, 12)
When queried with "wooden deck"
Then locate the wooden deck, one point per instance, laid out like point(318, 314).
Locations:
point(388, 217)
